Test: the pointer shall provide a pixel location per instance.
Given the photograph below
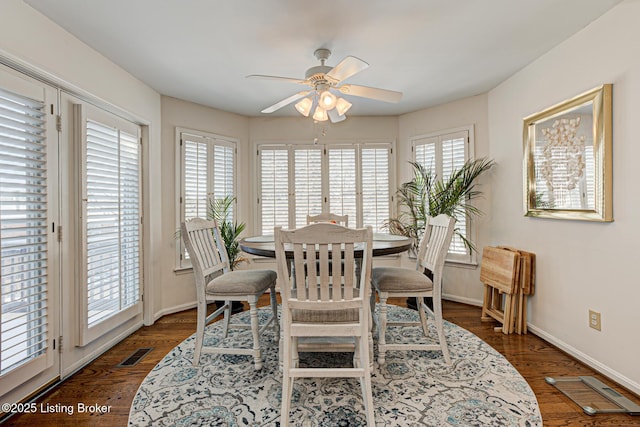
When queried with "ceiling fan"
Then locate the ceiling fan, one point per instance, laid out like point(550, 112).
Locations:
point(324, 80)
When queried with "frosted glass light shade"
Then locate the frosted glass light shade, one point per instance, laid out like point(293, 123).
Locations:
point(327, 100)
point(304, 106)
point(342, 105)
point(320, 114)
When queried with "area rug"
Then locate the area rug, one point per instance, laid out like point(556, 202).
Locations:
point(414, 388)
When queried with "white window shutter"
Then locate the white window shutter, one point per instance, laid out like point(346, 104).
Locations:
point(442, 154)
point(307, 184)
point(111, 226)
point(342, 183)
point(274, 188)
point(24, 231)
point(195, 198)
point(375, 187)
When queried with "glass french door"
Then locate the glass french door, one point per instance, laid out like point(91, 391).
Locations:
point(29, 250)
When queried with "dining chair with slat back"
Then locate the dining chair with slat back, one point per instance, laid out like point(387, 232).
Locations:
point(329, 217)
point(215, 281)
point(322, 304)
point(404, 282)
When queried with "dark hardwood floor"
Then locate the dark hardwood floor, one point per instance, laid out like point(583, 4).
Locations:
point(103, 383)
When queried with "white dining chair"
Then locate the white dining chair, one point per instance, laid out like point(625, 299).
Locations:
point(329, 217)
point(320, 304)
point(215, 281)
point(404, 282)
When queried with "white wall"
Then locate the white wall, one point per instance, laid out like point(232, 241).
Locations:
point(461, 283)
point(580, 265)
point(177, 291)
point(28, 39)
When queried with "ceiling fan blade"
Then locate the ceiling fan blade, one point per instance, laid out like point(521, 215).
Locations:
point(346, 68)
point(285, 79)
point(286, 101)
point(371, 92)
point(334, 116)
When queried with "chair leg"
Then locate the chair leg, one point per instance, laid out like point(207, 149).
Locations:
point(255, 327)
point(437, 312)
point(372, 311)
point(227, 318)
point(287, 383)
point(274, 309)
point(382, 328)
point(365, 381)
point(423, 316)
point(201, 317)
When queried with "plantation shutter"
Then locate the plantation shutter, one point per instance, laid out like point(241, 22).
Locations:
point(375, 186)
point(342, 182)
point(195, 166)
point(274, 188)
point(207, 165)
point(223, 173)
point(443, 154)
point(307, 184)
point(111, 222)
point(453, 158)
point(24, 315)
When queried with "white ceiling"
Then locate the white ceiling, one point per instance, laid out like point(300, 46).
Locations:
point(434, 51)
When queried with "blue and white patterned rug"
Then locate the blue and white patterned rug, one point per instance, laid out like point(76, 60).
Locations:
point(414, 388)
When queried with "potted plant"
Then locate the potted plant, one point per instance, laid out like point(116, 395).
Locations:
point(221, 211)
point(427, 196)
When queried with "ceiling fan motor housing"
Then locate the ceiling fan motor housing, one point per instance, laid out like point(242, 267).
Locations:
point(317, 75)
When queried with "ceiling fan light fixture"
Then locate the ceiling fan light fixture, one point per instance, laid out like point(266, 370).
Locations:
point(342, 106)
point(304, 106)
point(320, 114)
point(327, 100)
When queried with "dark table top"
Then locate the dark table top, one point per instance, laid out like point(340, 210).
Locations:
point(383, 244)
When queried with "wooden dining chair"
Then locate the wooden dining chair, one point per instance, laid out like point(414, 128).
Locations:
point(404, 282)
point(329, 217)
point(320, 304)
point(215, 281)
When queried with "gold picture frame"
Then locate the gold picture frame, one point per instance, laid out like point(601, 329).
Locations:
point(567, 159)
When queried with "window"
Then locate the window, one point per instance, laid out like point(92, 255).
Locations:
point(206, 172)
point(442, 153)
point(297, 180)
point(111, 221)
point(28, 256)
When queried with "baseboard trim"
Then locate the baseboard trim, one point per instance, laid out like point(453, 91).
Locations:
point(174, 309)
point(72, 369)
point(462, 300)
point(587, 360)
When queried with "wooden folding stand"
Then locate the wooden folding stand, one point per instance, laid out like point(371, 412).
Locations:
point(498, 273)
point(526, 286)
point(508, 275)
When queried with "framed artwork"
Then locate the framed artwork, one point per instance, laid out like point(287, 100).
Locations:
point(567, 159)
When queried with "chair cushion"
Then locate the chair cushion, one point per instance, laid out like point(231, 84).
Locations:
point(243, 282)
point(397, 279)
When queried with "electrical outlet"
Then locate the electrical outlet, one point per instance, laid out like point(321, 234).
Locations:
point(594, 320)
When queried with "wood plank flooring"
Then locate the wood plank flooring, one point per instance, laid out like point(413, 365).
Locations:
point(103, 383)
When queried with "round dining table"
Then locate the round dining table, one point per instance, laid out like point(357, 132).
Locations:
point(383, 244)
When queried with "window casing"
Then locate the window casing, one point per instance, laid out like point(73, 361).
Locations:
point(205, 172)
point(443, 152)
point(296, 180)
